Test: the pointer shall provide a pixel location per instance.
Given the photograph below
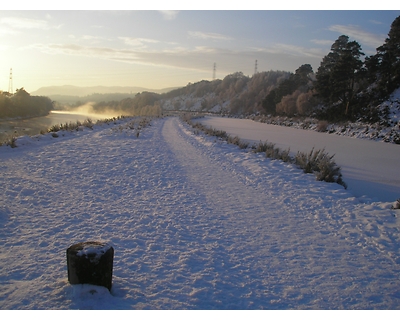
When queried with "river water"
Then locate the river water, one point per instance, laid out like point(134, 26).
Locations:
point(34, 126)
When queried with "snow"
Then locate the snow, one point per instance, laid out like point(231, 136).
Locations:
point(195, 223)
point(95, 249)
point(369, 168)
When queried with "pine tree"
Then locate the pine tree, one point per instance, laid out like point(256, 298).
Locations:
point(339, 73)
point(385, 65)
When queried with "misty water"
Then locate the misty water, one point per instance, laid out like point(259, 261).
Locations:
point(33, 126)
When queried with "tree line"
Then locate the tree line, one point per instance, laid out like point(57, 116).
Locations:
point(239, 94)
point(23, 105)
point(345, 87)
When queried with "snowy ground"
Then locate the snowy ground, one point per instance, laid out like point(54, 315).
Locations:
point(370, 168)
point(195, 224)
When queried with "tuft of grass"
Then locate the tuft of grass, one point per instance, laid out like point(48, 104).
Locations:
point(137, 124)
point(309, 161)
point(322, 164)
point(12, 142)
point(284, 155)
point(197, 126)
point(9, 140)
point(69, 126)
point(263, 146)
point(273, 152)
point(396, 206)
point(238, 142)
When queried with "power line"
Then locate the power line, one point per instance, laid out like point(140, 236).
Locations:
point(255, 68)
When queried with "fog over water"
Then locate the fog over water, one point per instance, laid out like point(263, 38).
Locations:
point(32, 126)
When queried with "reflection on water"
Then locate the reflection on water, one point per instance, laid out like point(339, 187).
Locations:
point(36, 125)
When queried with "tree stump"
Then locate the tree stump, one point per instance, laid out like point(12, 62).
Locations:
point(91, 263)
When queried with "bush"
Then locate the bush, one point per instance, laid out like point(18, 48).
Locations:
point(88, 123)
point(271, 152)
point(12, 142)
point(319, 162)
point(284, 155)
point(308, 161)
point(236, 141)
point(396, 206)
point(305, 103)
point(261, 147)
point(288, 104)
point(322, 126)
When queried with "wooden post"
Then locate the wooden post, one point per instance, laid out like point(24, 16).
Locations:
point(90, 262)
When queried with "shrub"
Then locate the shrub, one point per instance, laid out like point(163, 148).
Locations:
point(309, 161)
point(277, 153)
point(285, 156)
point(12, 142)
point(322, 126)
point(396, 206)
point(261, 147)
point(305, 102)
point(243, 144)
point(270, 150)
point(54, 128)
point(319, 162)
point(234, 140)
point(88, 123)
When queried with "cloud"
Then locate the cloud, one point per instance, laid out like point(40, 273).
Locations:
point(25, 23)
point(206, 36)
point(281, 48)
point(176, 57)
point(360, 35)
point(5, 31)
point(375, 22)
point(199, 58)
point(203, 49)
point(169, 14)
point(89, 37)
point(137, 42)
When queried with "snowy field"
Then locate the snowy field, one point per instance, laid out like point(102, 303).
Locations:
point(370, 168)
point(195, 224)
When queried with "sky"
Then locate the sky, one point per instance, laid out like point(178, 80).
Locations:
point(155, 49)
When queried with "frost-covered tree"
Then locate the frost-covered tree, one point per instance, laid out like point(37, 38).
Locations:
point(280, 99)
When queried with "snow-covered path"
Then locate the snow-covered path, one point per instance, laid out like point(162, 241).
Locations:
point(195, 224)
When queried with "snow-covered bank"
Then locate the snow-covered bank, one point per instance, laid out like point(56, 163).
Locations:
point(369, 168)
point(195, 224)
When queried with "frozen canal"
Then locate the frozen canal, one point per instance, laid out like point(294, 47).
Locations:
point(369, 168)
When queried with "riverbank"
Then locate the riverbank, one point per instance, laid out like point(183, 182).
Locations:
point(31, 126)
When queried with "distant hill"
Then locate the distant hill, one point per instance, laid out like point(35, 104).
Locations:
point(70, 95)
point(69, 90)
